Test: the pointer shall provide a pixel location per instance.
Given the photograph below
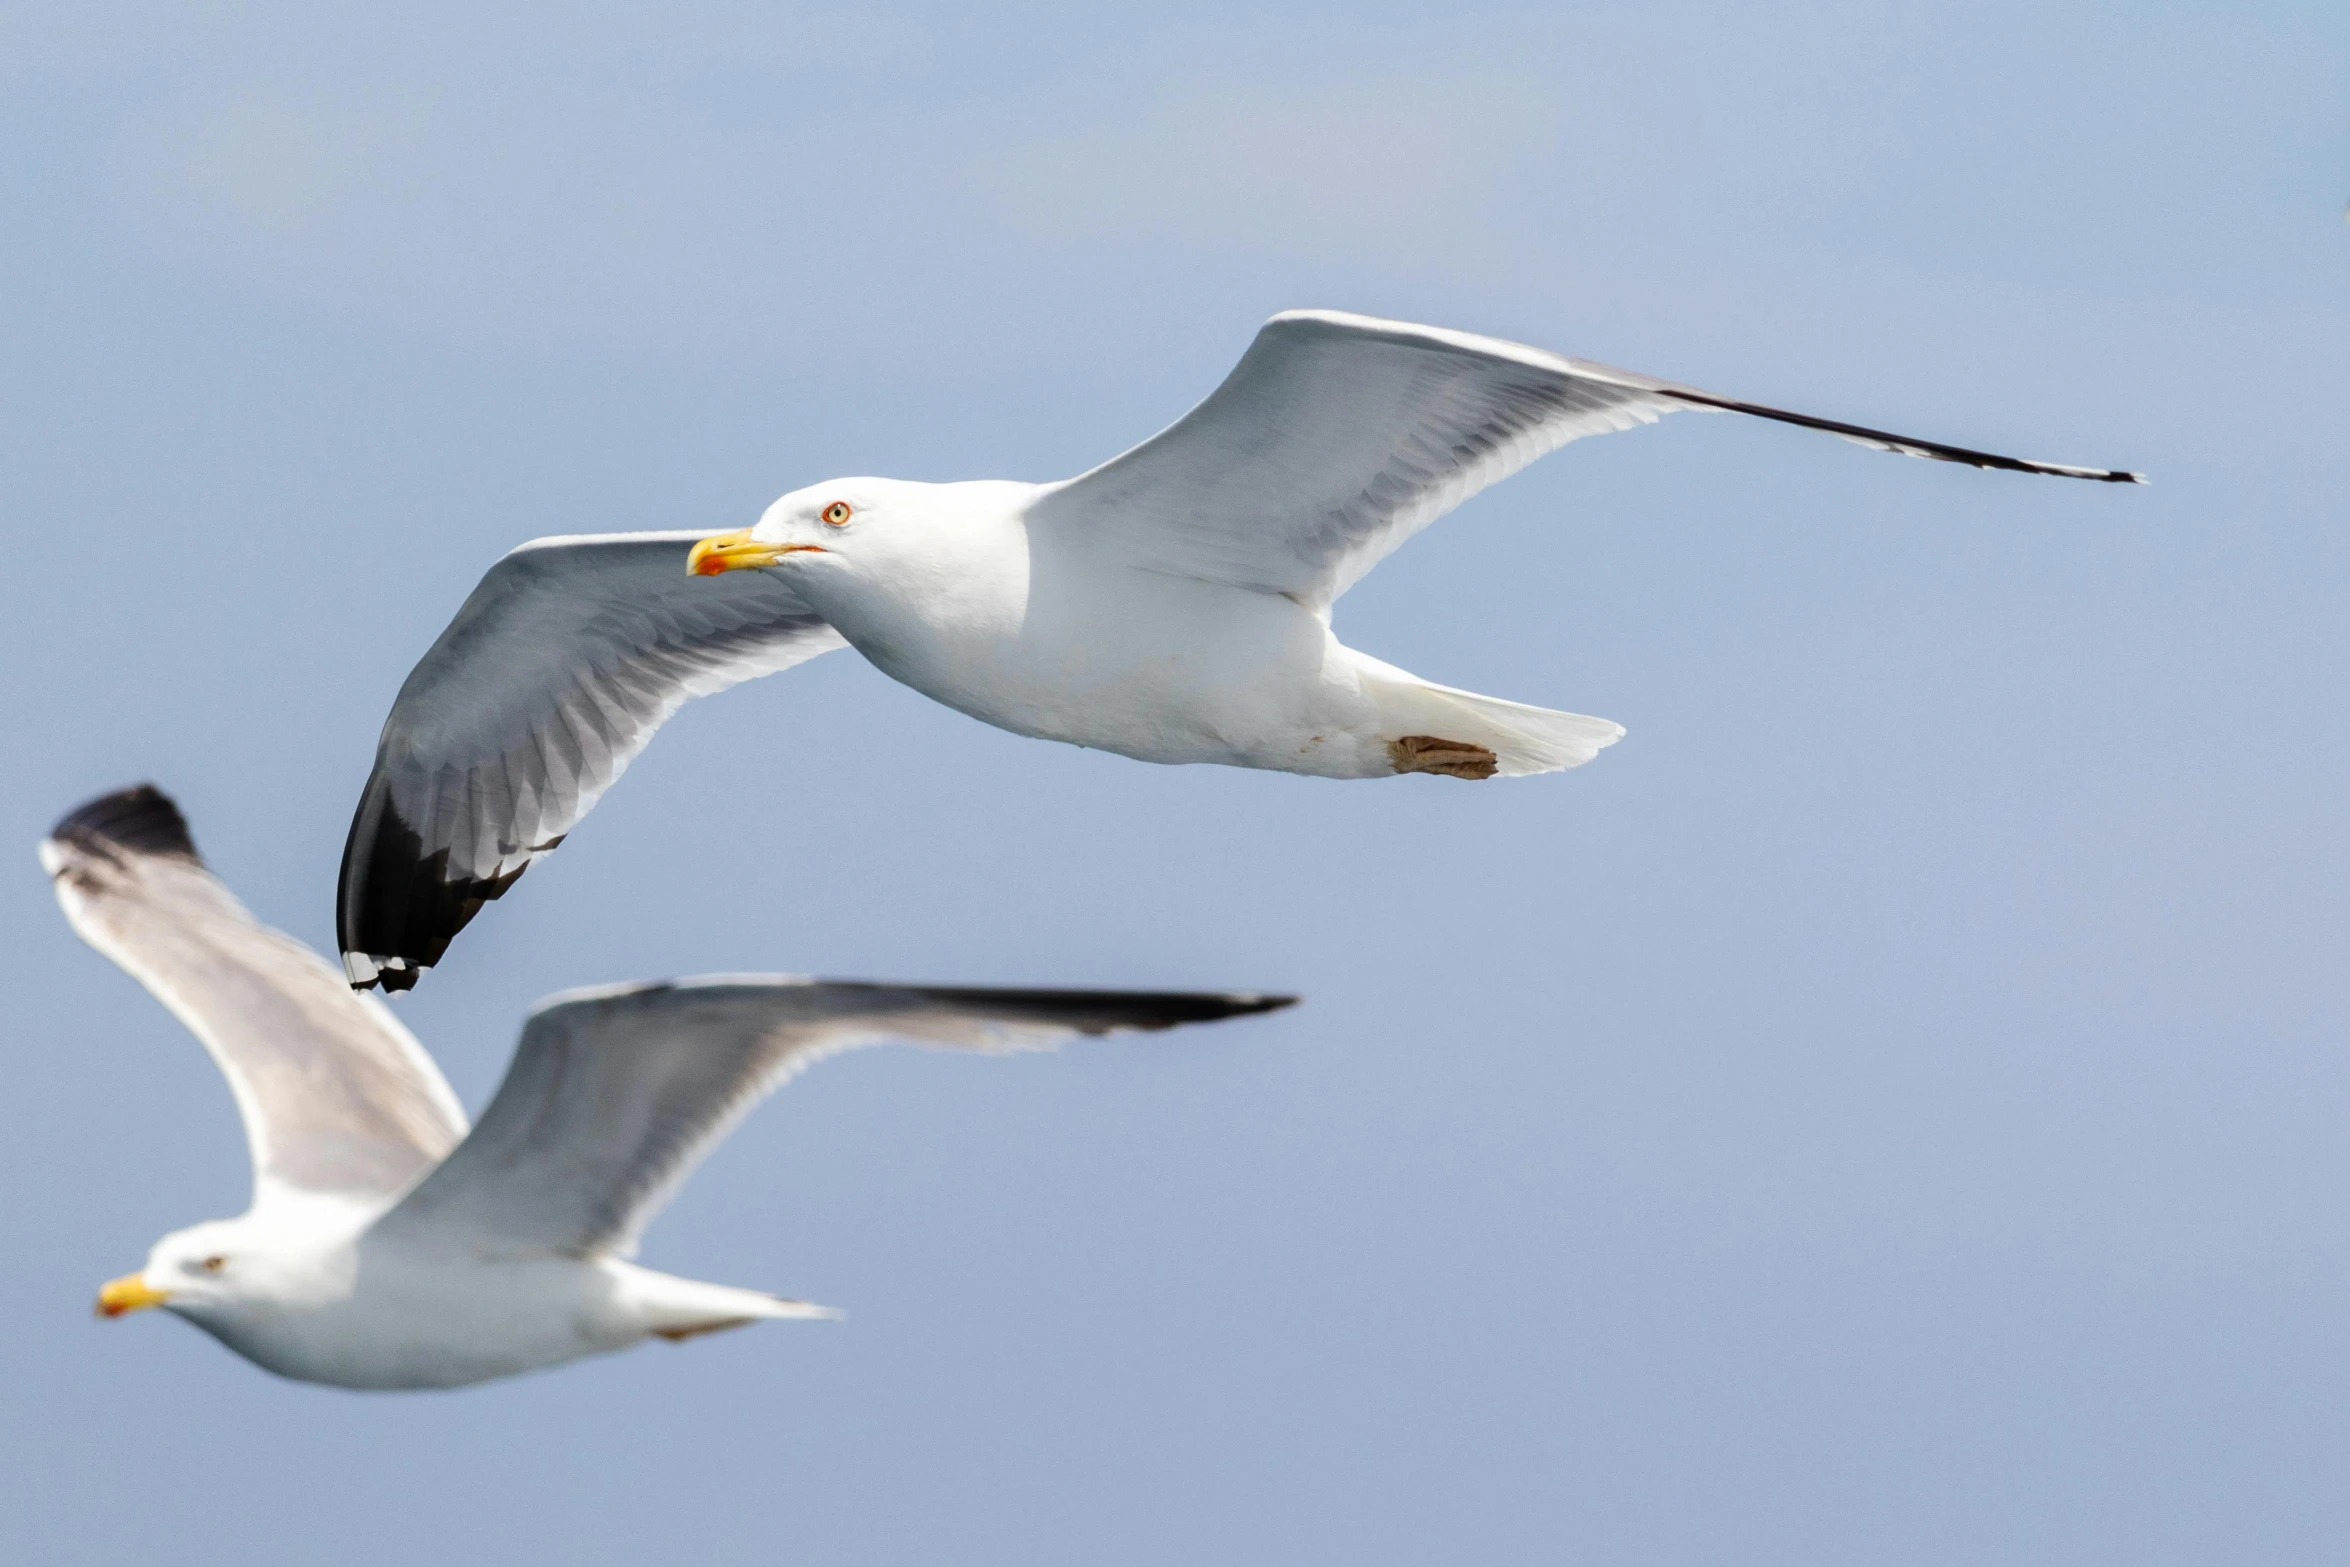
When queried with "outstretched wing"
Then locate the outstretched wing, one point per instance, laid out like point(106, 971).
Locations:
point(615, 1094)
point(1338, 436)
point(554, 674)
point(337, 1097)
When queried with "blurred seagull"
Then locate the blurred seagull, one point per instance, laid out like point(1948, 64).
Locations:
point(389, 1247)
point(1172, 605)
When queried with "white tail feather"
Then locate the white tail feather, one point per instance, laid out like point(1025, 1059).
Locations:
point(1523, 739)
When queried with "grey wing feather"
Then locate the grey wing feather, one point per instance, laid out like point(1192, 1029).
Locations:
point(615, 1094)
point(554, 674)
point(1337, 437)
point(336, 1097)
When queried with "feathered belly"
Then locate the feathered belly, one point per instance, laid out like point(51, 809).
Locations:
point(1188, 673)
point(436, 1323)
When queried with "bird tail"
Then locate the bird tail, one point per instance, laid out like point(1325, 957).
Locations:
point(680, 1309)
point(1436, 729)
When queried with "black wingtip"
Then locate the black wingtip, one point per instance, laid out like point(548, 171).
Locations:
point(1243, 1004)
point(2093, 475)
point(394, 901)
point(1099, 1010)
point(394, 980)
point(1906, 445)
point(141, 819)
point(1174, 1008)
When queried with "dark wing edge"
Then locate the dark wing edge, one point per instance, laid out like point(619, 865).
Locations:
point(397, 907)
point(141, 819)
point(1093, 1012)
point(1883, 440)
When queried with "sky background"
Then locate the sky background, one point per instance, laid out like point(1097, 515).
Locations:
point(1889, 1108)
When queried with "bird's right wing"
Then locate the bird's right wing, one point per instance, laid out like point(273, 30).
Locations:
point(337, 1098)
point(616, 1093)
point(555, 673)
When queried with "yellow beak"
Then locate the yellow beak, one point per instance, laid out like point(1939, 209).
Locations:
point(738, 551)
point(128, 1293)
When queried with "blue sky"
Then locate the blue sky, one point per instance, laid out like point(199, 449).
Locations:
point(1888, 1108)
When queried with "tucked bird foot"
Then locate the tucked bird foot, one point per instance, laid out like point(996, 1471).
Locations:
point(696, 1330)
point(1453, 758)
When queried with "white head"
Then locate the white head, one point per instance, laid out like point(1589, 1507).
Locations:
point(203, 1267)
point(229, 1276)
point(899, 536)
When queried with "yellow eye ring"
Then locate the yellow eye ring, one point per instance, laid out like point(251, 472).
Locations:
point(835, 515)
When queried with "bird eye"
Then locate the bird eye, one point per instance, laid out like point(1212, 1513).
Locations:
point(837, 513)
point(215, 1264)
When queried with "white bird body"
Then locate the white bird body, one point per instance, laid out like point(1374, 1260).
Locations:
point(389, 1245)
point(349, 1309)
point(945, 588)
point(1172, 604)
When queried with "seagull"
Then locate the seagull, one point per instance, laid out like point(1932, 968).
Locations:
point(1171, 605)
point(389, 1247)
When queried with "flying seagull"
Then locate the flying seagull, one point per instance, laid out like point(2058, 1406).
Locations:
point(389, 1247)
point(1172, 604)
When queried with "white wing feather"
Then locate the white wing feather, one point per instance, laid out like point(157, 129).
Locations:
point(616, 1093)
point(336, 1096)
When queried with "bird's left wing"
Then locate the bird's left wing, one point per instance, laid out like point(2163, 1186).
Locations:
point(337, 1098)
point(1337, 437)
point(555, 673)
point(616, 1093)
